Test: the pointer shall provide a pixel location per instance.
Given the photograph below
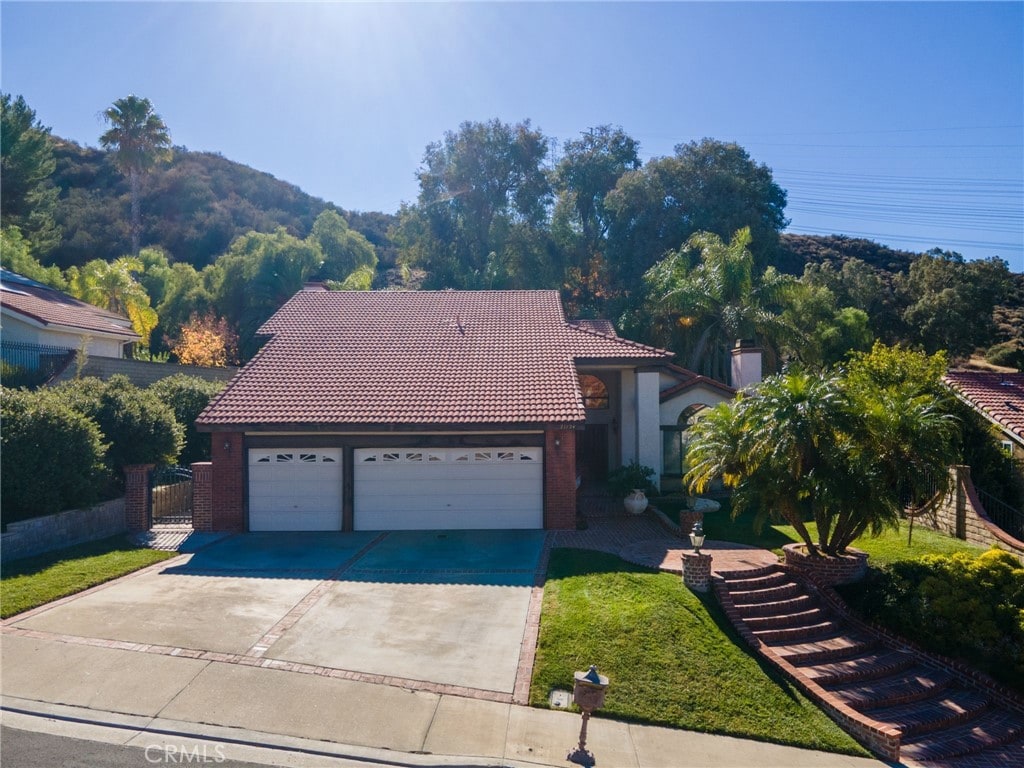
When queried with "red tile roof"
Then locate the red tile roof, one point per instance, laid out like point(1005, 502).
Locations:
point(597, 326)
point(999, 396)
point(418, 357)
point(52, 307)
point(688, 379)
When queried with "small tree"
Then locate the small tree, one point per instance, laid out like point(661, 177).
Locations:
point(206, 340)
point(844, 451)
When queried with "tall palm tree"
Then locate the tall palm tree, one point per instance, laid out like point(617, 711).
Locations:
point(140, 140)
point(719, 300)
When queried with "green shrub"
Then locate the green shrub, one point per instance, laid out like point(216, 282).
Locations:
point(52, 455)
point(141, 429)
point(187, 396)
point(1009, 354)
point(626, 478)
point(968, 608)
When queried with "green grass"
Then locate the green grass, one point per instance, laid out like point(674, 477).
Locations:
point(672, 657)
point(889, 547)
point(34, 581)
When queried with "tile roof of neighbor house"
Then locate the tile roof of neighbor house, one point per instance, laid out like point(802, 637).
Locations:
point(51, 307)
point(1000, 396)
point(597, 326)
point(418, 357)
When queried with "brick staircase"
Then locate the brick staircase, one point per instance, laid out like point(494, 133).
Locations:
point(900, 702)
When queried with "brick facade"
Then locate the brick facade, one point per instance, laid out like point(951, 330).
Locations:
point(697, 571)
point(845, 569)
point(228, 496)
point(136, 496)
point(559, 479)
point(202, 496)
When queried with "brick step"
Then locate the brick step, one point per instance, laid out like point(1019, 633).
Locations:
point(749, 573)
point(795, 619)
point(777, 607)
point(770, 595)
point(994, 728)
point(955, 707)
point(870, 666)
point(804, 633)
point(913, 684)
point(843, 645)
point(751, 583)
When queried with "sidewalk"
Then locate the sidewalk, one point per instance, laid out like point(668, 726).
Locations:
point(284, 718)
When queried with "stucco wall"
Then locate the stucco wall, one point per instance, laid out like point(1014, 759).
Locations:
point(74, 526)
point(18, 330)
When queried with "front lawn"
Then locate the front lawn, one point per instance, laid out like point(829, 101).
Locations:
point(890, 547)
point(672, 657)
point(34, 581)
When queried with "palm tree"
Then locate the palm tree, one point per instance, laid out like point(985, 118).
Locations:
point(139, 137)
point(849, 456)
point(718, 301)
point(112, 285)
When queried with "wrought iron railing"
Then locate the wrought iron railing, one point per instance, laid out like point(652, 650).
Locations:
point(1010, 519)
point(28, 365)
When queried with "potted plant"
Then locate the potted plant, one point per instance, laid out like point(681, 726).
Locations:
point(632, 483)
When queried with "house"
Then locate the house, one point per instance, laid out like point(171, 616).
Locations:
point(999, 397)
point(437, 410)
point(41, 323)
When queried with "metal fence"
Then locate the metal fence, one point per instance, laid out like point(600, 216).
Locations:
point(1002, 514)
point(29, 365)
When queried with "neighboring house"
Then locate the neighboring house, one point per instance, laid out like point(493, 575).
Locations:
point(39, 322)
point(999, 397)
point(437, 409)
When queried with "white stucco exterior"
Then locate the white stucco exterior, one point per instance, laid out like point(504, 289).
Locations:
point(20, 329)
point(648, 422)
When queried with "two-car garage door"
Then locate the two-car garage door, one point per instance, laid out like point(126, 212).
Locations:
point(298, 489)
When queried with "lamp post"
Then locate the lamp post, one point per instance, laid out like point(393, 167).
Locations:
point(588, 692)
point(697, 536)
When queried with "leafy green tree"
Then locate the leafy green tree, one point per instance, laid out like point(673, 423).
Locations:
point(858, 285)
point(848, 454)
point(140, 140)
point(259, 273)
point(28, 196)
point(588, 170)
point(709, 186)
point(344, 250)
point(820, 332)
point(950, 302)
point(112, 285)
point(16, 255)
point(709, 307)
point(483, 190)
point(186, 292)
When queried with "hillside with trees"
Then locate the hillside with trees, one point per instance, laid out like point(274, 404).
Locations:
point(685, 251)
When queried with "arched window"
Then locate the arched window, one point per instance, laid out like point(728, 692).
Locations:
point(594, 391)
point(674, 440)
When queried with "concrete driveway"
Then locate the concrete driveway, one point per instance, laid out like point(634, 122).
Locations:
point(439, 607)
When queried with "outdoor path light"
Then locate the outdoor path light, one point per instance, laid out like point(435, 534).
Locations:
point(697, 536)
point(588, 693)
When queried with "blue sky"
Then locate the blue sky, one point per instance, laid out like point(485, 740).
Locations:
point(897, 121)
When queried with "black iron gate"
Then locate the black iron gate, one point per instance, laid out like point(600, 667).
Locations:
point(170, 496)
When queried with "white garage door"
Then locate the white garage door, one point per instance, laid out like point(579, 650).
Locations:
point(295, 489)
point(423, 489)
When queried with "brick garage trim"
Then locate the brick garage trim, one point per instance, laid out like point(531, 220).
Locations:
point(228, 494)
point(202, 496)
point(560, 478)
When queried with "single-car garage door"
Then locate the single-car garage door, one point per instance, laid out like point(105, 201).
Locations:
point(295, 489)
point(422, 489)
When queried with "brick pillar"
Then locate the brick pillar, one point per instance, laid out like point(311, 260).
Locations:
point(697, 571)
point(202, 496)
point(228, 510)
point(136, 496)
point(559, 479)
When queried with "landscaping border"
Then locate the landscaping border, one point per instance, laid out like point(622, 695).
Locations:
point(37, 535)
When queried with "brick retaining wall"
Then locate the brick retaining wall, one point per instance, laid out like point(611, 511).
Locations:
point(64, 529)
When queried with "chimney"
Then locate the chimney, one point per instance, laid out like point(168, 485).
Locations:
point(746, 363)
point(313, 286)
